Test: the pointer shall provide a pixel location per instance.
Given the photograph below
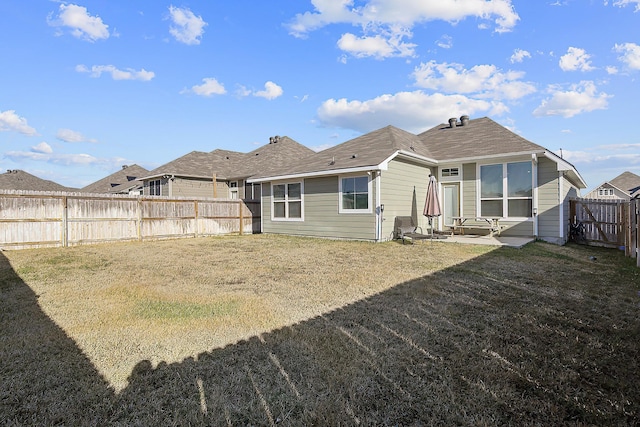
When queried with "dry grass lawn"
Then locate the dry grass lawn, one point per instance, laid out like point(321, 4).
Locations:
point(264, 330)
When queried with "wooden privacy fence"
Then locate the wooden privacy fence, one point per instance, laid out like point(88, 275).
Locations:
point(44, 219)
point(609, 223)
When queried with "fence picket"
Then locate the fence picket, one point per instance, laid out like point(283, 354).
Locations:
point(30, 219)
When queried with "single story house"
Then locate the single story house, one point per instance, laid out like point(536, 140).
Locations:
point(124, 181)
point(356, 189)
point(625, 186)
point(221, 173)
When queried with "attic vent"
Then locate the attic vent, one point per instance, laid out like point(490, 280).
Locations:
point(464, 120)
point(452, 122)
point(125, 166)
point(354, 156)
point(274, 139)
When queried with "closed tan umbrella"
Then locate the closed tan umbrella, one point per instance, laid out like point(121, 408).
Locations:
point(432, 203)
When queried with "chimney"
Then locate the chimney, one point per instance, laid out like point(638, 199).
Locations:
point(464, 120)
point(452, 122)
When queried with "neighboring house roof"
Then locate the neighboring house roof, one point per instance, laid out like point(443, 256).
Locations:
point(20, 180)
point(476, 139)
point(113, 183)
point(627, 182)
point(228, 165)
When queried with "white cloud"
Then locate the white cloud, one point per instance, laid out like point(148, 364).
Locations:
point(519, 55)
point(82, 25)
point(386, 24)
point(630, 54)
point(43, 148)
point(186, 27)
point(271, 91)
point(622, 3)
point(65, 159)
point(575, 59)
point(445, 42)
point(413, 111)
point(10, 121)
point(405, 13)
point(611, 70)
point(580, 98)
point(116, 74)
point(68, 135)
point(482, 80)
point(210, 87)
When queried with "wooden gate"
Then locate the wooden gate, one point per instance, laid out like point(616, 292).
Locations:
point(599, 222)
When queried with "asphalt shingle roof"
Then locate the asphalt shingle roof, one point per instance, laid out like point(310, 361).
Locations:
point(232, 164)
point(370, 149)
point(111, 183)
point(480, 137)
point(20, 180)
point(626, 181)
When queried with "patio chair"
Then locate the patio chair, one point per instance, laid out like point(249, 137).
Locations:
point(405, 229)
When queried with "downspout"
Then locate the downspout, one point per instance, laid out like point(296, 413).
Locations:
point(534, 159)
point(380, 208)
point(561, 206)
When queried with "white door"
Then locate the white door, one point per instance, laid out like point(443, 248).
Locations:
point(451, 202)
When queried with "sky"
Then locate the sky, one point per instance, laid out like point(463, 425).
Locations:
point(90, 85)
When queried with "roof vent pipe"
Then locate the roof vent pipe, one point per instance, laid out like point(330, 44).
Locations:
point(452, 122)
point(464, 120)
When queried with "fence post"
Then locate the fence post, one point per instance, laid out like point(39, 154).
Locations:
point(241, 219)
point(65, 222)
point(195, 221)
point(139, 219)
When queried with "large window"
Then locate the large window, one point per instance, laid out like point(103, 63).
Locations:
point(355, 194)
point(506, 190)
point(287, 201)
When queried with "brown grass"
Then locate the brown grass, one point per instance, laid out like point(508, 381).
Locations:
point(256, 329)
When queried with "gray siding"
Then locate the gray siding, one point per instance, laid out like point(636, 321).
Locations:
point(321, 216)
point(403, 192)
point(548, 200)
point(469, 207)
point(191, 188)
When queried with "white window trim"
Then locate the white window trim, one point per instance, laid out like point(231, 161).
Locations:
point(456, 178)
point(286, 202)
point(233, 189)
point(369, 195)
point(505, 198)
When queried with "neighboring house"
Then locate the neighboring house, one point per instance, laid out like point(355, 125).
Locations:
point(221, 173)
point(355, 190)
point(16, 179)
point(124, 181)
point(625, 186)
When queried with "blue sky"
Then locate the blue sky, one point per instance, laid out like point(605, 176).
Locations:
point(88, 86)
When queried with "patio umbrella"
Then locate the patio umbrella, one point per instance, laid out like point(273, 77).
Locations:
point(432, 204)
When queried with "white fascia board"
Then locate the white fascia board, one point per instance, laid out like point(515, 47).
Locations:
point(318, 173)
point(414, 156)
point(160, 175)
point(566, 167)
point(497, 157)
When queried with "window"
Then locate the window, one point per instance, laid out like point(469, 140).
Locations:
point(252, 191)
point(506, 190)
point(450, 172)
point(155, 188)
point(287, 201)
point(355, 194)
point(605, 192)
point(233, 190)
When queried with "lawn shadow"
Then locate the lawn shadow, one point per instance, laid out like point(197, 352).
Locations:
point(468, 345)
point(45, 379)
point(465, 346)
